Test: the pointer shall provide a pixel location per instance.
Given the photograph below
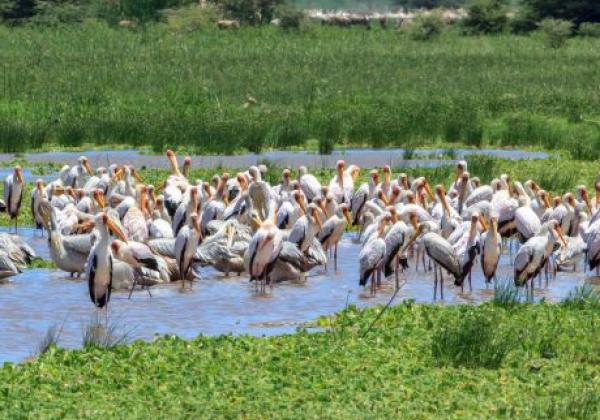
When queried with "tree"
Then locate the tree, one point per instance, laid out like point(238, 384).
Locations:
point(17, 9)
point(576, 11)
point(485, 17)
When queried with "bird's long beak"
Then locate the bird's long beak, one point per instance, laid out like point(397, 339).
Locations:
point(348, 218)
point(137, 176)
point(318, 219)
point(494, 225)
point(547, 202)
point(116, 230)
point(429, 192)
point(355, 174)
point(414, 221)
point(442, 194)
point(174, 165)
point(101, 201)
point(483, 222)
point(560, 235)
point(19, 176)
point(58, 191)
point(88, 167)
point(383, 198)
point(117, 176)
point(265, 242)
point(411, 240)
point(161, 187)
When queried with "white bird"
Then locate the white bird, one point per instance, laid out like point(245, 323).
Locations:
point(38, 195)
point(364, 193)
point(309, 185)
point(14, 186)
point(76, 175)
point(186, 244)
point(372, 255)
point(333, 229)
point(99, 266)
point(533, 254)
point(264, 248)
point(490, 253)
point(306, 228)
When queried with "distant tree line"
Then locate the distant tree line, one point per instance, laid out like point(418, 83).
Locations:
point(485, 16)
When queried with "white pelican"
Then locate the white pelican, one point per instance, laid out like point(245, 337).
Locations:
point(99, 266)
point(14, 185)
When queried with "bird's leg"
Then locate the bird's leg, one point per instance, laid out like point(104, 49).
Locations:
point(441, 284)
point(132, 286)
point(470, 283)
point(435, 282)
point(378, 277)
point(417, 261)
point(396, 275)
point(335, 257)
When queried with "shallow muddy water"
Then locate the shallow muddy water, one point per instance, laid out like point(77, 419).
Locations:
point(362, 157)
point(38, 299)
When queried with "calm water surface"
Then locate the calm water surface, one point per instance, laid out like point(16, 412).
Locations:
point(38, 299)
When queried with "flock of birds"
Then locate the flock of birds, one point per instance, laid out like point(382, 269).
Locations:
point(119, 232)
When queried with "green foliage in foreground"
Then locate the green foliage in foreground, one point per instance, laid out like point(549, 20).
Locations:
point(216, 91)
point(418, 360)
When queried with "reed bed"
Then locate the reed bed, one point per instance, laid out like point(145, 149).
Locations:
point(257, 88)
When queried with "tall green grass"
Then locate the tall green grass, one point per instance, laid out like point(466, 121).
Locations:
point(161, 88)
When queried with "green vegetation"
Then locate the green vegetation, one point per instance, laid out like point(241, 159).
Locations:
point(527, 361)
point(213, 91)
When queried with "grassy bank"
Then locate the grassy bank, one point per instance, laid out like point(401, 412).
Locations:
point(157, 87)
point(417, 360)
point(556, 175)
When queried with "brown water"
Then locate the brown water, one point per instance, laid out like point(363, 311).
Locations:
point(38, 299)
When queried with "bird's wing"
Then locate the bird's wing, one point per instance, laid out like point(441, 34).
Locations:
point(81, 244)
point(310, 186)
point(527, 222)
point(441, 251)
point(164, 247)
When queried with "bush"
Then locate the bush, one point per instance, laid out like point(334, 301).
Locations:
point(589, 29)
point(471, 340)
point(556, 31)
point(426, 26)
point(251, 12)
point(191, 18)
point(290, 16)
point(577, 11)
point(485, 17)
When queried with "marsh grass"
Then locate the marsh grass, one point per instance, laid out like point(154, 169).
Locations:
point(49, 340)
point(106, 331)
point(164, 87)
point(582, 296)
point(506, 294)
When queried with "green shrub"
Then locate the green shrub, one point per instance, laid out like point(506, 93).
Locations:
point(506, 294)
point(556, 31)
point(290, 16)
point(426, 26)
point(251, 12)
point(589, 29)
point(471, 339)
point(485, 17)
point(191, 18)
